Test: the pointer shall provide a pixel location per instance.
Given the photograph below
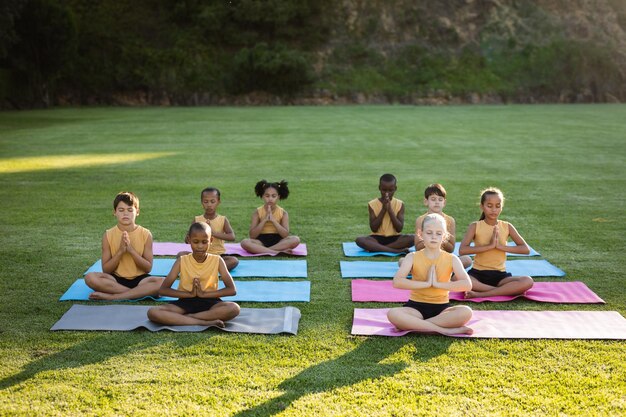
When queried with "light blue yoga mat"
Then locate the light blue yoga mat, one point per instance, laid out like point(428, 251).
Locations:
point(246, 268)
point(257, 291)
point(351, 249)
point(369, 269)
point(532, 252)
point(160, 267)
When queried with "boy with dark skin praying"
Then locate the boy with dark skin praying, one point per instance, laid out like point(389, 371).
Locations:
point(386, 218)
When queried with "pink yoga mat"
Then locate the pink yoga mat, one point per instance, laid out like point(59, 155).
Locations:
point(365, 290)
point(172, 248)
point(502, 324)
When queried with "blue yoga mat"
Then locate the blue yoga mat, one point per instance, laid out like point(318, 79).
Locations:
point(532, 252)
point(258, 291)
point(246, 268)
point(160, 267)
point(369, 269)
point(351, 249)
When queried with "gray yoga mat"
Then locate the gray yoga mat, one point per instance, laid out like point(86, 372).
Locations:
point(131, 317)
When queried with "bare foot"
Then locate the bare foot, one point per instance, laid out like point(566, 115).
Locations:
point(458, 330)
point(217, 323)
point(97, 295)
point(471, 294)
point(287, 251)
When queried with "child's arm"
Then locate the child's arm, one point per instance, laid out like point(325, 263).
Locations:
point(143, 261)
point(229, 285)
point(466, 249)
point(283, 227)
point(228, 234)
point(397, 220)
point(521, 247)
point(256, 225)
point(166, 289)
point(448, 244)
point(376, 220)
point(400, 278)
point(460, 281)
point(110, 262)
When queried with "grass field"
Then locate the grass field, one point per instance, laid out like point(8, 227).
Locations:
point(560, 167)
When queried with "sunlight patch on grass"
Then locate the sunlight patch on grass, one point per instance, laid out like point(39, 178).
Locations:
point(39, 163)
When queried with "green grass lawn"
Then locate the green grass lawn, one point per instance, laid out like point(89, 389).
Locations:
point(561, 169)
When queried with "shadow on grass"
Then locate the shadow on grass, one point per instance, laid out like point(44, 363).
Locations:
point(360, 364)
point(96, 350)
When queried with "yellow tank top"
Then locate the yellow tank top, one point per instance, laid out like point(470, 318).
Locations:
point(421, 266)
point(386, 227)
point(269, 227)
point(494, 259)
point(207, 271)
point(449, 220)
point(138, 238)
point(217, 225)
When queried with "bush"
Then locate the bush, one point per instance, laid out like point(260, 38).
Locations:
point(274, 69)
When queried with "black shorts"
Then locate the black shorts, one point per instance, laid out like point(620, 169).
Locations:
point(385, 240)
point(488, 277)
point(196, 304)
point(427, 310)
point(269, 239)
point(130, 283)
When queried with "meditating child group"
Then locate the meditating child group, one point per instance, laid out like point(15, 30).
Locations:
point(127, 257)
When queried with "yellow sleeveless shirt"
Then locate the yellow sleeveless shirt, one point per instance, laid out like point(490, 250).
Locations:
point(421, 266)
point(494, 259)
point(386, 227)
point(217, 225)
point(207, 271)
point(138, 238)
point(269, 227)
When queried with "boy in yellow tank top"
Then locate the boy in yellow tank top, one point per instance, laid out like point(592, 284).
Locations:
point(428, 308)
point(199, 301)
point(221, 229)
point(435, 201)
point(386, 220)
point(126, 257)
point(490, 235)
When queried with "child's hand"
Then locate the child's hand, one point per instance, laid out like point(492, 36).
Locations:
point(125, 242)
point(195, 287)
point(432, 276)
point(494, 237)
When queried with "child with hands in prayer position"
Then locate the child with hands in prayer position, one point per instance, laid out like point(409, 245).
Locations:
point(428, 308)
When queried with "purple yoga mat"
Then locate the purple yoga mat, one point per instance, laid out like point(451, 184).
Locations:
point(505, 324)
point(172, 248)
point(364, 290)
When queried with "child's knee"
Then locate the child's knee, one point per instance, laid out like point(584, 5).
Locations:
point(91, 278)
point(361, 241)
point(232, 310)
point(153, 314)
point(392, 315)
point(231, 263)
point(464, 313)
point(527, 282)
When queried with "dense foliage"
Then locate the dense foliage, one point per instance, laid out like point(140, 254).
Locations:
point(174, 51)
